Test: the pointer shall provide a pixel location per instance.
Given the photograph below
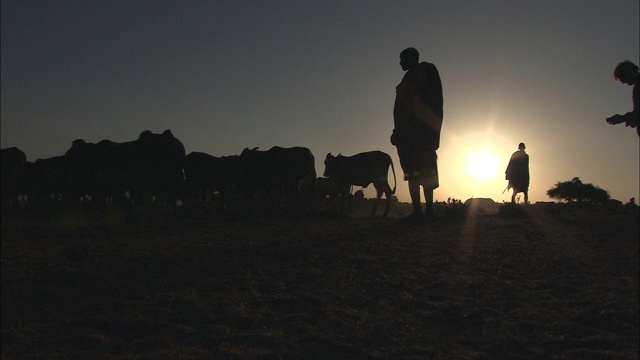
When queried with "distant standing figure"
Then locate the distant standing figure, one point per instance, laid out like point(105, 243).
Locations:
point(627, 73)
point(417, 116)
point(518, 173)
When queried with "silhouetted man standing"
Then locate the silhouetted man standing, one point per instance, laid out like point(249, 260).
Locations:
point(518, 173)
point(417, 115)
point(627, 73)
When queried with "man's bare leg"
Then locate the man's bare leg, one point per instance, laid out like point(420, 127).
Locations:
point(414, 192)
point(429, 213)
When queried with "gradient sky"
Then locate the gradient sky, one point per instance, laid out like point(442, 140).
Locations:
point(225, 75)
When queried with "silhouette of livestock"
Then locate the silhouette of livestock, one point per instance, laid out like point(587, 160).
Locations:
point(92, 172)
point(361, 170)
point(12, 170)
point(328, 194)
point(271, 180)
point(46, 180)
point(206, 175)
point(146, 168)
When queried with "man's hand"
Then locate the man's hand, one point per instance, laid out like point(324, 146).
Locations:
point(615, 119)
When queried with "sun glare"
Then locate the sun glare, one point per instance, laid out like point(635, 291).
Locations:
point(482, 165)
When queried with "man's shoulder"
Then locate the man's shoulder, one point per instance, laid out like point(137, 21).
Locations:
point(426, 65)
point(427, 69)
point(519, 154)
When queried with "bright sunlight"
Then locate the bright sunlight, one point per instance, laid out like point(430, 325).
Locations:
point(482, 165)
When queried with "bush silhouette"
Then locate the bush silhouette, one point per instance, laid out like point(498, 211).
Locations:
point(576, 191)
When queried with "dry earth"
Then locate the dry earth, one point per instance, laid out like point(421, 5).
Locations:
point(534, 282)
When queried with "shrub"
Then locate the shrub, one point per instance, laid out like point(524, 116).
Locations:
point(576, 191)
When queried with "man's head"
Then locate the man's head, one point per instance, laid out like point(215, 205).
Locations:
point(626, 72)
point(409, 57)
point(521, 146)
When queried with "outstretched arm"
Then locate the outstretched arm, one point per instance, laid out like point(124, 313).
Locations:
point(630, 119)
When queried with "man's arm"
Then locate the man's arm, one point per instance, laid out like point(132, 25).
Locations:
point(630, 119)
point(412, 101)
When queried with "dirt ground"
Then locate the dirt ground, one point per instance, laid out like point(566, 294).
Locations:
point(532, 282)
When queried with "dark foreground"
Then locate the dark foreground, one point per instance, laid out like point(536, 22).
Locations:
point(545, 284)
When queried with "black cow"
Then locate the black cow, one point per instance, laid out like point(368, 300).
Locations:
point(91, 172)
point(12, 168)
point(272, 178)
point(162, 163)
point(328, 195)
point(47, 180)
point(207, 174)
point(148, 167)
point(361, 170)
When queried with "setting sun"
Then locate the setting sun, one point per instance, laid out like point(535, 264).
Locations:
point(482, 165)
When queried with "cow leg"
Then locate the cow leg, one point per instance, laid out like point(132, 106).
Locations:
point(388, 193)
point(386, 189)
point(378, 196)
point(345, 195)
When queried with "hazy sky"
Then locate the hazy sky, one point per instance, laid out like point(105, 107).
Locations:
point(225, 75)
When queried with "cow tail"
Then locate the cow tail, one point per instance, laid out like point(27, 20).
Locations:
point(394, 178)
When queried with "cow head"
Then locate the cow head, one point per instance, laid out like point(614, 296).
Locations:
point(330, 165)
point(145, 134)
point(78, 143)
point(76, 146)
point(248, 151)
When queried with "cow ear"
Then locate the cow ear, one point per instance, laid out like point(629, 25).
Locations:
point(339, 154)
point(328, 155)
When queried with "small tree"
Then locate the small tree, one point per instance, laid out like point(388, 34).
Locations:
point(576, 191)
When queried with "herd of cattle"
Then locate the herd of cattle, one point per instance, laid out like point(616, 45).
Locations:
point(155, 169)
